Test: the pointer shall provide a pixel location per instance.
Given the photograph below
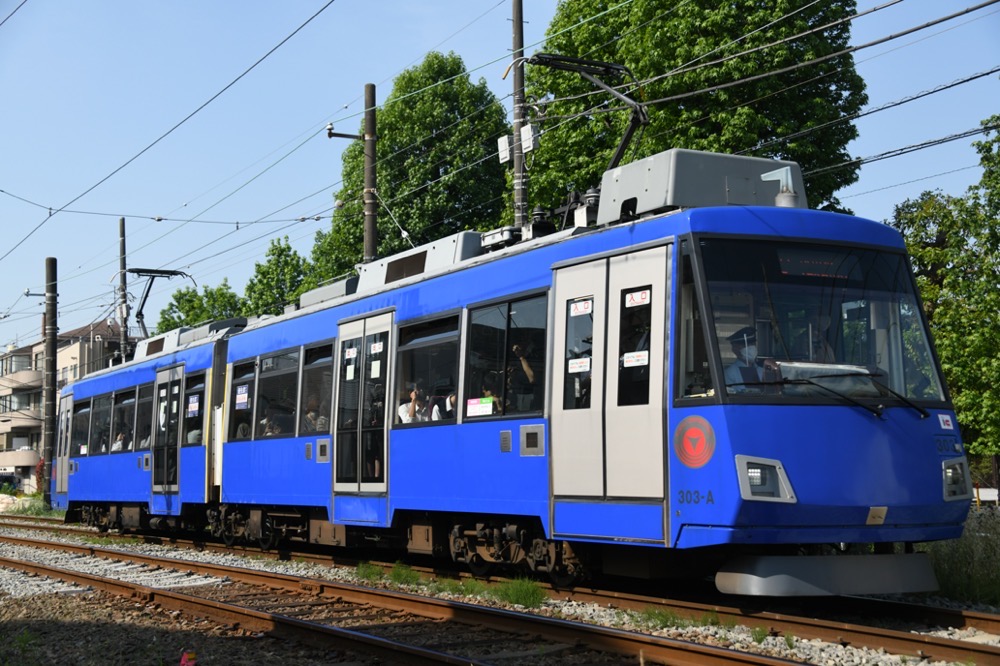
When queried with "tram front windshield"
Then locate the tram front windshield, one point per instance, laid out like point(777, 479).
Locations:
point(823, 322)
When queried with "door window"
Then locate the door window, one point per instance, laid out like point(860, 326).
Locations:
point(168, 398)
point(633, 345)
point(578, 363)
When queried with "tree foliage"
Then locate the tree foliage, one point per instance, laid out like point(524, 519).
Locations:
point(954, 244)
point(436, 169)
point(676, 49)
point(276, 282)
point(187, 307)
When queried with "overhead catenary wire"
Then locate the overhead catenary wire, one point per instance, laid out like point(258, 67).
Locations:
point(579, 23)
point(13, 11)
point(398, 197)
point(165, 134)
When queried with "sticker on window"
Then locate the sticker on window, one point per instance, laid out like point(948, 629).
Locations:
point(479, 406)
point(580, 308)
point(351, 352)
point(635, 359)
point(637, 298)
point(242, 396)
point(579, 364)
point(193, 405)
point(377, 347)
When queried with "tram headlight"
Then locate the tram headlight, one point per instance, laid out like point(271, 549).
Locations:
point(956, 480)
point(763, 479)
point(757, 474)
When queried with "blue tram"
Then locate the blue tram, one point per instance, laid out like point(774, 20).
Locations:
point(696, 374)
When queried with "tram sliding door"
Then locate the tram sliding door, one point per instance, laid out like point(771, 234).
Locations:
point(166, 430)
point(362, 403)
point(62, 446)
point(607, 410)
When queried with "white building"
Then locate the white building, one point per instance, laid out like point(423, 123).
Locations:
point(78, 352)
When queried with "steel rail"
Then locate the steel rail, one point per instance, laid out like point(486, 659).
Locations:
point(847, 634)
point(650, 648)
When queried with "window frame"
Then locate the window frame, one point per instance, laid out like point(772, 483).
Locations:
point(446, 337)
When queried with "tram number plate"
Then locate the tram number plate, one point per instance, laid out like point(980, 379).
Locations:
point(695, 497)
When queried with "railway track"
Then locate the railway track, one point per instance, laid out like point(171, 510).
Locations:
point(395, 627)
point(803, 623)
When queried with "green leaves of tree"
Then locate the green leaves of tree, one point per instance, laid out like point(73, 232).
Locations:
point(663, 43)
point(436, 166)
point(954, 245)
point(187, 307)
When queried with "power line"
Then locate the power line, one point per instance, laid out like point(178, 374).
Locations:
point(396, 198)
point(902, 151)
point(12, 12)
point(166, 134)
point(910, 182)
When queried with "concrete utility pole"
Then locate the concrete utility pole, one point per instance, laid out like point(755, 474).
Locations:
point(371, 207)
point(520, 175)
point(370, 193)
point(123, 317)
point(49, 381)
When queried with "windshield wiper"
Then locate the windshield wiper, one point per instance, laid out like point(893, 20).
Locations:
point(874, 409)
point(896, 394)
point(877, 410)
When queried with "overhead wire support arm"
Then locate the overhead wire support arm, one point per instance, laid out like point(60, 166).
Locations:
point(152, 274)
point(590, 70)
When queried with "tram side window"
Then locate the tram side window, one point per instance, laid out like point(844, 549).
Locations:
point(81, 429)
point(506, 359)
point(194, 410)
point(123, 421)
point(579, 353)
point(695, 380)
point(144, 417)
point(317, 389)
point(428, 364)
point(100, 425)
point(633, 345)
point(276, 394)
point(241, 400)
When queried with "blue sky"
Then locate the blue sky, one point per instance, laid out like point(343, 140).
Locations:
point(88, 85)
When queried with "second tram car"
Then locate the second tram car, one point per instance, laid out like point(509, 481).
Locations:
point(699, 374)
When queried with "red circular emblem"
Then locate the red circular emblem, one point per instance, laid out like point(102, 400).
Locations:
point(694, 441)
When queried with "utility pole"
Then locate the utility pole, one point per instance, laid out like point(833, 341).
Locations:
point(122, 285)
point(370, 193)
point(371, 207)
point(49, 381)
point(520, 175)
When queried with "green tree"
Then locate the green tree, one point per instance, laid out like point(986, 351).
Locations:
point(954, 245)
point(189, 308)
point(675, 49)
point(436, 168)
point(276, 282)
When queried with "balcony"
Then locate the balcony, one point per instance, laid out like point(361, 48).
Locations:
point(22, 380)
point(20, 458)
point(23, 418)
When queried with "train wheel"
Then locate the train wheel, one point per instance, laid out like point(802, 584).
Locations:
point(267, 536)
point(479, 567)
point(563, 578)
